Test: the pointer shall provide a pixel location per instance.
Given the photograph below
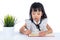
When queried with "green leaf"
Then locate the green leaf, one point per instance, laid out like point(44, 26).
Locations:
point(9, 21)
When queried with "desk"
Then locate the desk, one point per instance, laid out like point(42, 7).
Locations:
point(19, 36)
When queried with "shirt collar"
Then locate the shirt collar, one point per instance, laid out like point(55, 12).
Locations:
point(36, 22)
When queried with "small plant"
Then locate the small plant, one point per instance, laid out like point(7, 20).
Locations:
point(9, 21)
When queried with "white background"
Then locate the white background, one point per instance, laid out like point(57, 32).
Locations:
point(20, 9)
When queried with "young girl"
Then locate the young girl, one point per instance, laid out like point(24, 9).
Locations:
point(37, 22)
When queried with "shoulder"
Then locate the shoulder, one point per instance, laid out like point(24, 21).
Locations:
point(28, 21)
point(44, 20)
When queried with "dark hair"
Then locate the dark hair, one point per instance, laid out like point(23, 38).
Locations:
point(37, 6)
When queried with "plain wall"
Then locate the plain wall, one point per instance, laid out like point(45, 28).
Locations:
point(20, 9)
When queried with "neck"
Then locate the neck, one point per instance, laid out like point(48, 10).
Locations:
point(36, 22)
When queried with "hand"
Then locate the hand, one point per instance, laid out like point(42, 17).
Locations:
point(42, 34)
point(27, 32)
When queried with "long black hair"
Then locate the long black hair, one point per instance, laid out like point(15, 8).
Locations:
point(37, 6)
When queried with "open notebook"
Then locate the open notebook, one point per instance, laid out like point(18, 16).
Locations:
point(36, 35)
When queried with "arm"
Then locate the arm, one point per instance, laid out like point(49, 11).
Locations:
point(49, 30)
point(22, 30)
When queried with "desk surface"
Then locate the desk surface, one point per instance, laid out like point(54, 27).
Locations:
point(19, 36)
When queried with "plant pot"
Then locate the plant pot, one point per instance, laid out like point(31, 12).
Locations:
point(8, 30)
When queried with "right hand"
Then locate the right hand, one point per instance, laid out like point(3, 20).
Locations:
point(27, 32)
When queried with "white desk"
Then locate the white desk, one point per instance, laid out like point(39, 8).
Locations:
point(19, 36)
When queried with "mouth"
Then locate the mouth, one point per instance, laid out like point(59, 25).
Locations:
point(36, 18)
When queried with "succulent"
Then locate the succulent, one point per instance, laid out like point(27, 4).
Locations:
point(9, 21)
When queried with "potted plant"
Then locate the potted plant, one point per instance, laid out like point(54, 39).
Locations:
point(9, 22)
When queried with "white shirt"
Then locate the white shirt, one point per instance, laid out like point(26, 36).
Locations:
point(31, 26)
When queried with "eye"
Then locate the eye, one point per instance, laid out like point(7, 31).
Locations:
point(33, 13)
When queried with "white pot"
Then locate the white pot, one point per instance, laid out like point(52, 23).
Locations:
point(8, 30)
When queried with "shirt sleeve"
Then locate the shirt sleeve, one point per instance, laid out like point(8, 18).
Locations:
point(28, 22)
point(43, 24)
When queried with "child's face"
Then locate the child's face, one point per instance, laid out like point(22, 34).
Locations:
point(36, 15)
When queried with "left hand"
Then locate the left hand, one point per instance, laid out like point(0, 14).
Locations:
point(42, 34)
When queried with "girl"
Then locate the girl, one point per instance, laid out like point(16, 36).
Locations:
point(37, 22)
